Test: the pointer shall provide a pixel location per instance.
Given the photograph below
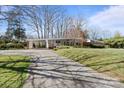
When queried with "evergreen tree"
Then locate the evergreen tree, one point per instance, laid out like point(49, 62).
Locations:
point(19, 34)
point(15, 28)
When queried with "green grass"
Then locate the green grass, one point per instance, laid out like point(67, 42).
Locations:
point(108, 61)
point(13, 70)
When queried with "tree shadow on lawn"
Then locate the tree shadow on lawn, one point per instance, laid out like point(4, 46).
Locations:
point(103, 67)
point(13, 72)
point(61, 72)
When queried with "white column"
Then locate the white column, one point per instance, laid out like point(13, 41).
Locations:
point(30, 44)
point(47, 43)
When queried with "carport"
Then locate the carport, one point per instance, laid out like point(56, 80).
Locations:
point(53, 42)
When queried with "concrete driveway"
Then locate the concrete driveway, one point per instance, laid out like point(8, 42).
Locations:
point(50, 70)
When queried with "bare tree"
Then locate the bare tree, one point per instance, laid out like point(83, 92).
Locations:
point(94, 33)
point(49, 21)
point(51, 14)
point(42, 19)
point(32, 19)
point(76, 28)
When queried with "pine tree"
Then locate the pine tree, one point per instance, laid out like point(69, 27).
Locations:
point(15, 28)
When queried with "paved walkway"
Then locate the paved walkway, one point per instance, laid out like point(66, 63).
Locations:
point(49, 70)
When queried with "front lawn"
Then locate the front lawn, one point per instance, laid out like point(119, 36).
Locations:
point(13, 70)
point(108, 61)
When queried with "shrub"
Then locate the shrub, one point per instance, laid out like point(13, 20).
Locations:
point(63, 47)
point(96, 46)
point(55, 49)
point(3, 46)
point(19, 46)
point(24, 44)
point(2, 41)
point(10, 45)
point(115, 42)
